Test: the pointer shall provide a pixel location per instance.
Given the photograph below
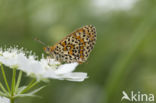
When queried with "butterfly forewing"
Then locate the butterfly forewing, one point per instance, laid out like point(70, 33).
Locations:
point(75, 47)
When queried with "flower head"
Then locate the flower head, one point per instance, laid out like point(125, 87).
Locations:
point(41, 69)
point(4, 100)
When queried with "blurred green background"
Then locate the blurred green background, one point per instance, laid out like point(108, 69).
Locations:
point(124, 57)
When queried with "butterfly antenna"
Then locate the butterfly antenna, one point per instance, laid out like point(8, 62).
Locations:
point(36, 39)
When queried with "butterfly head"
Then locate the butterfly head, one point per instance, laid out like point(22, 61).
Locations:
point(47, 50)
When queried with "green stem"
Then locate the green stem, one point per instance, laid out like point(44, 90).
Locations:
point(35, 83)
point(5, 79)
point(4, 94)
point(3, 89)
point(30, 85)
point(12, 100)
point(18, 80)
point(13, 82)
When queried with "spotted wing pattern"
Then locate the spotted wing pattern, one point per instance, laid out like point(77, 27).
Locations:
point(75, 47)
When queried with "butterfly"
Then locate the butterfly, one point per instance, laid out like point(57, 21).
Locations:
point(75, 47)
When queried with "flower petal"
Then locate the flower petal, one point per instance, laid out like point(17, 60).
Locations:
point(66, 68)
point(76, 76)
point(4, 100)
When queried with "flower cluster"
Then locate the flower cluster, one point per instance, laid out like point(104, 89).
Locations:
point(41, 69)
point(4, 100)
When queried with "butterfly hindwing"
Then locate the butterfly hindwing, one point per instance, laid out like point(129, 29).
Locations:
point(75, 47)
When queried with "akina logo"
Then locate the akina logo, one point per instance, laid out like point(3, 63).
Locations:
point(137, 97)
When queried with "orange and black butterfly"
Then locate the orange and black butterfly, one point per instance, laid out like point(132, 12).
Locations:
point(75, 47)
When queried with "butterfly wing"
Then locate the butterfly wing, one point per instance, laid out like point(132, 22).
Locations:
point(75, 47)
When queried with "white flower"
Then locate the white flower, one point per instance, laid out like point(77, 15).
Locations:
point(4, 100)
point(41, 69)
point(106, 6)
